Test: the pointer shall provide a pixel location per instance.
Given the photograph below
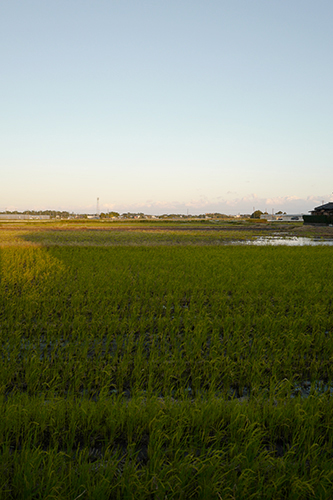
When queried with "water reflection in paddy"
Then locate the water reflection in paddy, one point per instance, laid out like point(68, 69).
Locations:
point(288, 241)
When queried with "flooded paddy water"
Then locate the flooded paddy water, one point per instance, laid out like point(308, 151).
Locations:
point(290, 241)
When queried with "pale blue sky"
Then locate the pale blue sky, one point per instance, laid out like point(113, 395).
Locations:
point(166, 105)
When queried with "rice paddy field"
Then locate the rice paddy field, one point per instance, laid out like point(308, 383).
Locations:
point(162, 363)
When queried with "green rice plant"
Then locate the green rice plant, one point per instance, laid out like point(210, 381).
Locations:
point(146, 371)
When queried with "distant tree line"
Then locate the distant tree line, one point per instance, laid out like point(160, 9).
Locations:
point(257, 213)
point(108, 215)
point(64, 214)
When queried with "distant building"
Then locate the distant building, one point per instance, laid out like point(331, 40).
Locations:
point(322, 215)
point(23, 217)
point(326, 209)
point(43, 217)
point(283, 217)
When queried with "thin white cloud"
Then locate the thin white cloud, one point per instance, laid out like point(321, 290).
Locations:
point(245, 204)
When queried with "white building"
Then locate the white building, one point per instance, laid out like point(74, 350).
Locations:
point(23, 217)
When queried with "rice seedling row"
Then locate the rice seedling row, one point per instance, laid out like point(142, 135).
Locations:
point(166, 372)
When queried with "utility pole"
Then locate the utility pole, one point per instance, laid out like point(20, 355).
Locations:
point(97, 207)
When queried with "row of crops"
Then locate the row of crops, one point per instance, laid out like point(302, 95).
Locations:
point(166, 372)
